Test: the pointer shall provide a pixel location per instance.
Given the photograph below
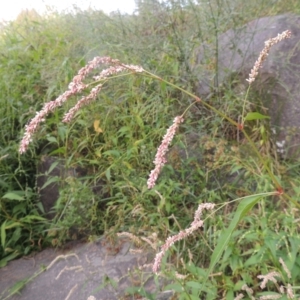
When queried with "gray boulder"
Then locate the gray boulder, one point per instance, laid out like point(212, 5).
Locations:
point(278, 81)
point(51, 175)
point(102, 269)
point(49, 168)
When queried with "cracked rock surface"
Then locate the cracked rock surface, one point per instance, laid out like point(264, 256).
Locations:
point(87, 269)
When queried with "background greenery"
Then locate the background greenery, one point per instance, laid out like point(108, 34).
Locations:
point(39, 55)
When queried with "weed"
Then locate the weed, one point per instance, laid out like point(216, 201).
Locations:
point(246, 204)
point(116, 135)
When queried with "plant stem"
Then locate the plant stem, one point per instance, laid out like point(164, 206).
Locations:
point(264, 162)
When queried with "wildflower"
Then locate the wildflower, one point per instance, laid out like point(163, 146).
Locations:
point(197, 223)
point(289, 292)
point(76, 86)
point(281, 289)
point(117, 69)
point(160, 157)
point(180, 276)
point(270, 297)
point(249, 291)
point(49, 107)
point(82, 102)
point(284, 266)
point(190, 256)
point(239, 297)
point(147, 240)
point(265, 52)
point(268, 277)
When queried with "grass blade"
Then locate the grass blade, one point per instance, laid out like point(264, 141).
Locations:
point(243, 208)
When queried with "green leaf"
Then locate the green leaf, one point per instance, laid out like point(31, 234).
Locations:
point(255, 116)
point(3, 233)
point(60, 150)
point(193, 297)
point(107, 174)
point(6, 259)
point(229, 295)
point(243, 208)
point(3, 263)
point(14, 195)
point(52, 139)
point(174, 286)
point(139, 121)
point(52, 167)
point(272, 246)
point(51, 180)
point(254, 259)
point(18, 286)
point(31, 218)
point(194, 285)
point(21, 207)
point(163, 86)
point(113, 153)
point(12, 225)
point(199, 272)
point(294, 241)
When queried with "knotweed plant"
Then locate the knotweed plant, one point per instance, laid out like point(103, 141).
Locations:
point(77, 86)
point(112, 68)
point(272, 277)
point(196, 224)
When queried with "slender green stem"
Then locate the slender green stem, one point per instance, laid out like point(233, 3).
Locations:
point(244, 104)
point(198, 99)
point(275, 181)
point(240, 126)
point(291, 199)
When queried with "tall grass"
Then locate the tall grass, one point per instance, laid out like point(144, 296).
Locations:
point(115, 140)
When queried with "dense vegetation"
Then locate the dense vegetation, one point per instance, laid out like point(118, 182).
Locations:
point(115, 140)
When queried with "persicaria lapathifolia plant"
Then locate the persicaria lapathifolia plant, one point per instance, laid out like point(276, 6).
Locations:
point(196, 224)
point(160, 157)
point(76, 87)
point(265, 52)
point(113, 67)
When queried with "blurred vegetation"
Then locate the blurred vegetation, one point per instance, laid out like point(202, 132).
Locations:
point(39, 55)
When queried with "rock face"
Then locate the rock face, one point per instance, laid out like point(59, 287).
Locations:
point(51, 172)
point(278, 81)
point(95, 269)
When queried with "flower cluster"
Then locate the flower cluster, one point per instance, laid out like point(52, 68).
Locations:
point(82, 102)
point(285, 268)
point(271, 276)
point(197, 223)
point(160, 157)
point(265, 52)
point(76, 86)
point(268, 277)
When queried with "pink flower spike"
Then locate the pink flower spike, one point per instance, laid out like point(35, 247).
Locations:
point(76, 86)
point(265, 52)
point(160, 157)
point(82, 102)
point(197, 223)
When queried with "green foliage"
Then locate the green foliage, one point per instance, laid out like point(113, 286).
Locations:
point(252, 248)
point(115, 139)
